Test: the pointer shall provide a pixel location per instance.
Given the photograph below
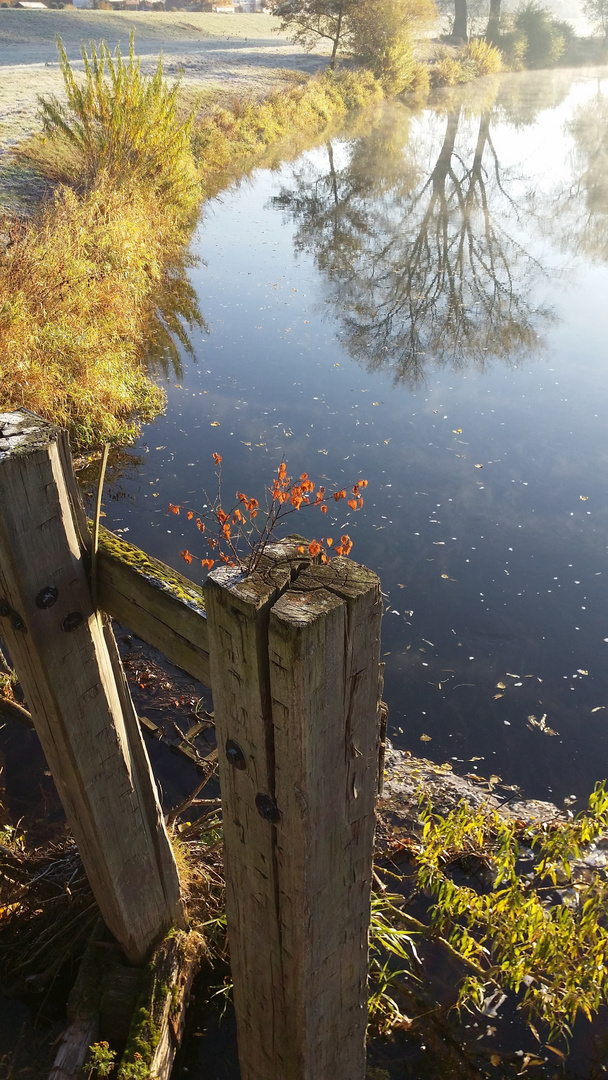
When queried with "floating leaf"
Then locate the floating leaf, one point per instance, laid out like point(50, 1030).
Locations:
point(581, 671)
point(215, 423)
point(583, 498)
point(425, 738)
point(598, 707)
point(501, 686)
point(479, 466)
point(497, 696)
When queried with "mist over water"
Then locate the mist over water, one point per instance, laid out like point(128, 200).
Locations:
point(421, 301)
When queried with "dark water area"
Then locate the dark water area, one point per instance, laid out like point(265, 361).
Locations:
point(422, 302)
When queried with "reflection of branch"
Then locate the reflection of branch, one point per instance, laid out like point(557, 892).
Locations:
point(430, 272)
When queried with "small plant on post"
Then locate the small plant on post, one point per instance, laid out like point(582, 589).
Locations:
point(236, 538)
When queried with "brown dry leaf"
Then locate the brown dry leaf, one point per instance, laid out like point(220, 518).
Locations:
point(425, 738)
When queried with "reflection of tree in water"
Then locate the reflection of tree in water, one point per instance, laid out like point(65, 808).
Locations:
point(585, 200)
point(176, 312)
point(420, 269)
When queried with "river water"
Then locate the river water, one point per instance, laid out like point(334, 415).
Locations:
point(422, 301)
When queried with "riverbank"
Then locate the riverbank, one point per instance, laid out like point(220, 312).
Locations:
point(107, 256)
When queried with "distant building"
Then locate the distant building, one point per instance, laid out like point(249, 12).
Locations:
point(32, 5)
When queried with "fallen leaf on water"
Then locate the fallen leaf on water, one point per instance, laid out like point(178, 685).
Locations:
point(495, 1059)
point(541, 725)
point(457, 431)
point(598, 707)
point(479, 466)
point(497, 696)
point(501, 686)
point(583, 498)
point(215, 423)
point(581, 671)
point(425, 738)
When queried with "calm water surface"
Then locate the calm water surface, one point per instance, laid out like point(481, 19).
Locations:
point(422, 302)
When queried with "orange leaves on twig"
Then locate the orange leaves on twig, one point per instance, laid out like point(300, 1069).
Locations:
point(235, 527)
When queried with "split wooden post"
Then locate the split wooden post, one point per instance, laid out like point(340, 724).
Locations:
point(67, 662)
point(297, 684)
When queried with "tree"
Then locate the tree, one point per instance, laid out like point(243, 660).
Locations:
point(382, 37)
point(378, 33)
point(308, 21)
point(597, 13)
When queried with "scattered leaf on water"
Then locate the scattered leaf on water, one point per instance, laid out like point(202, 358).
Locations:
point(581, 671)
point(457, 431)
point(583, 498)
point(501, 686)
point(479, 466)
point(215, 423)
point(598, 707)
point(541, 725)
point(497, 696)
point(425, 738)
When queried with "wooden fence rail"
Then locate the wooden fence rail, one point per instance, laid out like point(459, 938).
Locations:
point(292, 656)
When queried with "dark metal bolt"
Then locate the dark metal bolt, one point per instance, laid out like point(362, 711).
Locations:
point(17, 622)
point(5, 609)
point(235, 755)
point(47, 597)
point(72, 621)
point(267, 808)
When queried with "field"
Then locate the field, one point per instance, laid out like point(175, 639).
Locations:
point(222, 52)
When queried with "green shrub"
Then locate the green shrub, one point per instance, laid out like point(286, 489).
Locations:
point(537, 36)
point(382, 35)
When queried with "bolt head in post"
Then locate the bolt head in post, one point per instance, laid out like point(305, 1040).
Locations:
point(47, 597)
point(235, 755)
point(72, 621)
point(17, 622)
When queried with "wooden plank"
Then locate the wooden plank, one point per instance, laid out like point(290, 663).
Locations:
point(324, 647)
point(67, 663)
point(238, 610)
point(159, 605)
point(295, 659)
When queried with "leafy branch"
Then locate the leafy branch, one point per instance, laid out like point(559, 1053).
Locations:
point(240, 535)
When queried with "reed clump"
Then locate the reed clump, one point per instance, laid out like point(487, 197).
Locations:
point(475, 59)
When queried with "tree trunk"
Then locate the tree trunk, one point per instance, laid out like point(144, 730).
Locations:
point(493, 27)
point(459, 33)
point(334, 51)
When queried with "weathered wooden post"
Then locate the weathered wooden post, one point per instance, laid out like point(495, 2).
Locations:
point(294, 652)
point(67, 663)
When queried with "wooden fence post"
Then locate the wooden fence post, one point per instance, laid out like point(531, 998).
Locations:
point(295, 670)
point(67, 663)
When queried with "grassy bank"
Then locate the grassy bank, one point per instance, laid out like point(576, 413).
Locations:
point(79, 284)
